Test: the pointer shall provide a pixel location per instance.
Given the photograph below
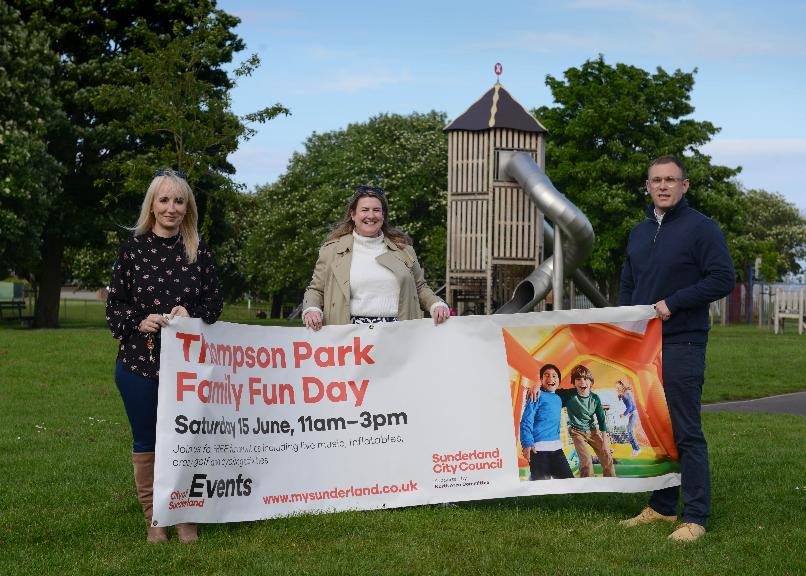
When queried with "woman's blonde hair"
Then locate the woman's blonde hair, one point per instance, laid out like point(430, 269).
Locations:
point(346, 225)
point(623, 385)
point(187, 229)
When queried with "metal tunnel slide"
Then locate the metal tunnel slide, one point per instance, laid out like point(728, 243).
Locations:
point(577, 234)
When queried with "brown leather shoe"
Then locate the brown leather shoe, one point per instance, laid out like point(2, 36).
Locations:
point(157, 535)
point(687, 532)
point(187, 533)
point(647, 516)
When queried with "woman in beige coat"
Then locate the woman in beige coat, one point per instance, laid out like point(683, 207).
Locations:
point(367, 271)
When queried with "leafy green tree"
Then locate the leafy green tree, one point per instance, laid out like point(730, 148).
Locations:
point(775, 231)
point(91, 266)
point(405, 155)
point(608, 124)
point(28, 173)
point(124, 114)
point(88, 39)
point(231, 255)
point(180, 114)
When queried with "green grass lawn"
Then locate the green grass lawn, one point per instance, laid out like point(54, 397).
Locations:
point(747, 362)
point(67, 503)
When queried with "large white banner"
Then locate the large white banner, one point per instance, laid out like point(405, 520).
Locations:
point(257, 422)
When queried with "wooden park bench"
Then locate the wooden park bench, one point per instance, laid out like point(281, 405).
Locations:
point(790, 304)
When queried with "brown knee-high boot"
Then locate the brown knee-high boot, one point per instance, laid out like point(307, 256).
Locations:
point(144, 479)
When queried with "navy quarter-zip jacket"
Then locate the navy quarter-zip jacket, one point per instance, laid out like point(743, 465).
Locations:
point(684, 260)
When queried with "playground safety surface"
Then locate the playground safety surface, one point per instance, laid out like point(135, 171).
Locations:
point(794, 403)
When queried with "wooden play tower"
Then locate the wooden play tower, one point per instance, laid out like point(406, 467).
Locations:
point(494, 230)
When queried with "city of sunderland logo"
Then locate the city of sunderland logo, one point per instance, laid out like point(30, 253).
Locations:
point(202, 487)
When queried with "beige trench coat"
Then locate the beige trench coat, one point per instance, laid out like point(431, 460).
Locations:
point(329, 289)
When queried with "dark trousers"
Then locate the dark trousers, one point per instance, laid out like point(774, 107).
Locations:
point(547, 465)
point(139, 396)
point(683, 377)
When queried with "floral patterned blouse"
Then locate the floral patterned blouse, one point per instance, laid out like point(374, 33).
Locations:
point(151, 276)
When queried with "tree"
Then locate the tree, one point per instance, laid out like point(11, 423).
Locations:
point(29, 174)
point(608, 124)
point(179, 100)
point(777, 233)
point(105, 50)
point(87, 38)
point(405, 155)
point(231, 255)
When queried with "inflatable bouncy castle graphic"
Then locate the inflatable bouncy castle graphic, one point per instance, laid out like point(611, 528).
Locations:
point(629, 353)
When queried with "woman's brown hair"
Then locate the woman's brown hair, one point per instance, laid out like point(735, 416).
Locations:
point(346, 225)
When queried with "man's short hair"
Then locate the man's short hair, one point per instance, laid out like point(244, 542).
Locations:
point(669, 159)
point(581, 371)
point(546, 367)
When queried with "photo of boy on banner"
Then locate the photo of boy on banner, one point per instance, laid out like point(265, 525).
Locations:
point(540, 428)
point(587, 422)
point(596, 437)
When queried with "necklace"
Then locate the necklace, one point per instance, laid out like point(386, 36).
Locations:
point(163, 238)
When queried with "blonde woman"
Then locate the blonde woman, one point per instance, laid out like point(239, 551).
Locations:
point(163, 270)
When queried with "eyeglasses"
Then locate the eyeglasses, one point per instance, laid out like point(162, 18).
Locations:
point(370, 189)
point(170, 172)
point(668, 180)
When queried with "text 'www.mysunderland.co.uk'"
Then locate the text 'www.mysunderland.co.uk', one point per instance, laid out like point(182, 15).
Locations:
point(340, 493)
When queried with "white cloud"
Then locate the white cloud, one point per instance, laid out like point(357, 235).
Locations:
point(702, 30)
point(256, 165)
point(544, 43)
point(343, 82)
point(772, 164)
point(657, 29)
point(755, 147)
point(328, 53)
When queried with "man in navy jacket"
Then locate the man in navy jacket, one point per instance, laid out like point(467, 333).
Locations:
point(677, 260)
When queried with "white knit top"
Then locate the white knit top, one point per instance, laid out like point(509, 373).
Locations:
point(374, 290)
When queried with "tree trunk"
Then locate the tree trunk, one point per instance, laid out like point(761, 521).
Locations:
point(46, 314)
point(614, 286)
point(277, 305)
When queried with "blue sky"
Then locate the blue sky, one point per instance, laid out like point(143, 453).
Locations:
point(334, 63)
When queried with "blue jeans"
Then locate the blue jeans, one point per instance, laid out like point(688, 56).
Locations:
point(548, 465)
point(631, 421)
point(139, 396)
point(683, 377)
